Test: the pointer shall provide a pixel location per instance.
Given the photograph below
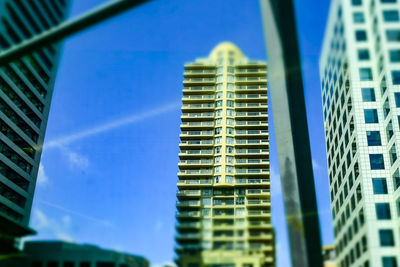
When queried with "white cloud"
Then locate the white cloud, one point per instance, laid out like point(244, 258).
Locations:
point(159, 225)
point(110, 126)
point(75, 159)
point(55, 228)
point(42, 178)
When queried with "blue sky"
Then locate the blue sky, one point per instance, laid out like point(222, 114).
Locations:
point(108, 169)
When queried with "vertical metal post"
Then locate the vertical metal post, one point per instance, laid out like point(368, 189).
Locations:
point(291, 131)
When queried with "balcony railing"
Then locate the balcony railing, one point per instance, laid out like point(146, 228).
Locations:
point(251, 70)
point(188, 203)
point(251, 105)
point(251, 96)
point(198, 123)
point(206, 71)
point(195, 182)
point(198, 115)
point(257, 191)
point(198, 97)
point(196, 152)
point(251, 171)
point(199, 88)
point(250, 79)
point(251, 87)
point(197, 142)
point(205, 161)
point(258, 201)
point(194, 80)
point(251, 142)
point(188, 193)
point(251, 151)
point(251, 132)
point(199, 171)
point(251, 123)
point(188, 214)
point(194, 133)
point(251, 114)
point(194, 106)
point(252, 181)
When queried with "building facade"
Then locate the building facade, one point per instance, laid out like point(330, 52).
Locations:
point(26, 87)
point(360, 77)
point(223, 207)
point(57, 253)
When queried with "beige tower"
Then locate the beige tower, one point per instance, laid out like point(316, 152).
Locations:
point(224, 208)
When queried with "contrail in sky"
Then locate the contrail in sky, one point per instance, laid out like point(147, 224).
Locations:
point(110, 126)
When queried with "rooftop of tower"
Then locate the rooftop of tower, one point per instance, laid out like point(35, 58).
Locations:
point(225, 48)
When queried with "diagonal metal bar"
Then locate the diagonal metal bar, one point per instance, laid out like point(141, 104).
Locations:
point(68, 28)
point(291, 130)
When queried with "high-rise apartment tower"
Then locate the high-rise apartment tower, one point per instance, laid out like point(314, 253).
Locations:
point(26, 87)
point(360, 76)
point(224, 208)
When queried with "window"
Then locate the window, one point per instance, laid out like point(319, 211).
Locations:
point(229, 103)
point(230, 112)
point(389, 262)
point(368, 94)
point(393, 35)
point(363, 54)
point(390, 15)
point(397, 99)
point(361, 35)
point(379, 186)
point(394, 56)
point(374, 138)
point(396, 180)
point(218, 130)
point(218, 103)
point(217, 149)
point(218, 112)
point(356, 2)
point(393, 154)
point(230, 121)
point(388, 1)
point(386, 238)
point(229, 149)
point(229, 130)
point(358, 17)
point(376, 162)
point(229, 169)
point(382, 211)
point(365, 74)
point(371, 116)
point(219, 95)
point(396, 77)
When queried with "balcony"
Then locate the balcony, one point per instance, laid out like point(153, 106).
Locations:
point(252, 181)
point(258, 192)
point(251, 80)
point(251, 114)
point(251, 124)
point(188, 193)
point(260, 236)
point(187, 236)
point(251, 161)
point(251, 70)
point(197, 124)
point(258, 202)
point(203, 115)
point(198, 89)
point(252, 151)
point(252, 171)
point(251, 132)
point(188, 214)
point(199, 172)
point(195, 162)
point(196, 133)
point(258, 213)
point(196, 152)
point(250, 142)
point(188, 225)
point(199, 81)
point(188, 203)
point(208, 106)
point(251, 88)
point(261, 224)
point(196, 143)
point(249, 97)
point(197, 182)
point(197, 98)
point(251, 106)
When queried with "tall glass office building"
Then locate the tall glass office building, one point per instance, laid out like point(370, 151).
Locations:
point(223, 207)
point(360, 76)
point(26, 87)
